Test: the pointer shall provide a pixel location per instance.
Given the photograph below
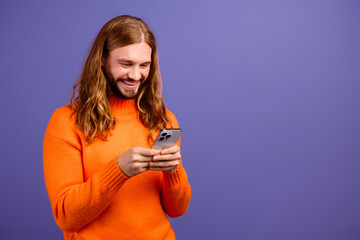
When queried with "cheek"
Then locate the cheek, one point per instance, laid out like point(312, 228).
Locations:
point(118, 72)
point(145, 73)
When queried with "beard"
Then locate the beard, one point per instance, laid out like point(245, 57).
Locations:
point(118, 90)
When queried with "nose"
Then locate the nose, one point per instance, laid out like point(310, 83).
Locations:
point(135, 73)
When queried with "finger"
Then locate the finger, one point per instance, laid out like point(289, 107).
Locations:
point(170, 150)
point(167, 157)
point(141, 166)
point(146, 151)
point(164, 164)
point(141, 158)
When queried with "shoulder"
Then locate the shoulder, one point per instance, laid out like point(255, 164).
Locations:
point(62, 117)
point(172, 118)
point(62, 123)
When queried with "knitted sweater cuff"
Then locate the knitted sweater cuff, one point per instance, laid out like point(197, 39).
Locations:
point(176, 177)
point(111, 176)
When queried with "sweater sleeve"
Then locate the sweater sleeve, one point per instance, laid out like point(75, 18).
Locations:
point(176, 191)
point(75, 202)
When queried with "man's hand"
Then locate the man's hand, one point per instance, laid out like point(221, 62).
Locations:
point(167, 160)
point(136, 160)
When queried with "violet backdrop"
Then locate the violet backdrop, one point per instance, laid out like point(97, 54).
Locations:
point(267, 93)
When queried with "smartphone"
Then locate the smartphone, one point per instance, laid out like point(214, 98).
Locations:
point(167, 138)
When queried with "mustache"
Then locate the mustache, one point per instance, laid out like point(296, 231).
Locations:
point(130, 79)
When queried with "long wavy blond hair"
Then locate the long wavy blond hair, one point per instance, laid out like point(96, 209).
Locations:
point(90, 99)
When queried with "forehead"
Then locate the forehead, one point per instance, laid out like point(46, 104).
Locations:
point(137, 52)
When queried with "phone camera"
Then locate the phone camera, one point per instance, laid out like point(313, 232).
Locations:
point(168, 136)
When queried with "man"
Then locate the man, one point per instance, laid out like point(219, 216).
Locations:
point(103, 179)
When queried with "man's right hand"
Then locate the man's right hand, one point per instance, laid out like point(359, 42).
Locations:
point(136, 160)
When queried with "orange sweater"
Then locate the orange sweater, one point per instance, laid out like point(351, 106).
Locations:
point(90, 196)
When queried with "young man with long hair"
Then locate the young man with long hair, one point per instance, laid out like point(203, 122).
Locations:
point(103, 179)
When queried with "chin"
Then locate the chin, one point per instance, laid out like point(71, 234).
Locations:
point(128, 94)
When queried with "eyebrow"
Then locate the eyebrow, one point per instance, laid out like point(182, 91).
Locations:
point(129, 61)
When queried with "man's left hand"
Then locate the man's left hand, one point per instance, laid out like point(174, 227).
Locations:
point(167, 161)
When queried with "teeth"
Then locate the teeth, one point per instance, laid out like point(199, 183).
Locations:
point(129, 83)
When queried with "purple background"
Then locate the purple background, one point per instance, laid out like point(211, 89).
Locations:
point(267, 93)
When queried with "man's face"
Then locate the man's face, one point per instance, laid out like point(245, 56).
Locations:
point(127, 67)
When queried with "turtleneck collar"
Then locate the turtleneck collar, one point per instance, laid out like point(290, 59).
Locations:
point(122, 107)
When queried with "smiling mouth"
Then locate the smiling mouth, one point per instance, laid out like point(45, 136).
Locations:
point(129, 83)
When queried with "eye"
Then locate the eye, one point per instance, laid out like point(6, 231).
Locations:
point(145, 65)
point(126, 64)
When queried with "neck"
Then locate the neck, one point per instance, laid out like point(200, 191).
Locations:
point(122, 107)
